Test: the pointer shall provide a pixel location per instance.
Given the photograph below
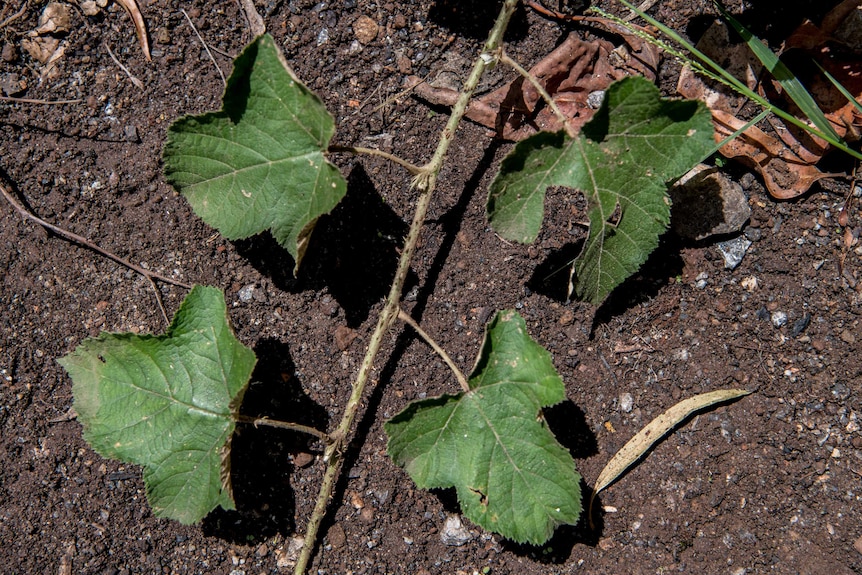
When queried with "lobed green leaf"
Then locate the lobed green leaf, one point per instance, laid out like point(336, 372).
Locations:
point(167, 403)
point(258, 164)
point(510, 473)
point(622, 161)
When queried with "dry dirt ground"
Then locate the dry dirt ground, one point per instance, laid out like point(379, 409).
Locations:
point(770, 483)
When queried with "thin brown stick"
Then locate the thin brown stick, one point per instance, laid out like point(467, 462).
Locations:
point(150, 275)
point(255, 22)
point(462, 381)
point(257, 421)
point(159, 301)
point(15, 16)
point(35, 101)
point(138, 84)
point(207, 48)
point(645, 5)
point(613, 26)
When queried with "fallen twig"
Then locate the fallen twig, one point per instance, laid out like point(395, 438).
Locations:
point(35, 101)
point(265, 421)
point(80, 240)
point(462, 381)
point(255, 22)
point(207, 48)
point(138, 84)
point(15, 16)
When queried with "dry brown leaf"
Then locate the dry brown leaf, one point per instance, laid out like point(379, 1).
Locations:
point(56, 18)
point(655, 430)
point(131, 7)
point(786, 160)
point(570, 73)
point(784, 173)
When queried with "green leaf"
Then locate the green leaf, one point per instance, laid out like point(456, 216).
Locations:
point(622, 161)
point(491, 443)
point(259, 163)
point(167, 403)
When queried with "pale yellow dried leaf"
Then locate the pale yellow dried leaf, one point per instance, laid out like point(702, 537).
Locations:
point(656, 430)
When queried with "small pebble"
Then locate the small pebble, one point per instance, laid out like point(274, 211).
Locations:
point(130, 133)
point(733, 251)
point(626, 402)
point(454, 534)
point(336, 536)
point(303, 459)
point(163, 36)
point(9, 53)
point(800, 324)
point(754, 234)
point(840, 391)
point(749, 283)
point(344, 336)
point(595, 99)
point(246, 294)
point(778, 318)
point(365, 29)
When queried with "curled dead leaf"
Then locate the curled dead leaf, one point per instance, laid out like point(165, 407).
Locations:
point(570, 73)
point(134, 12)
point(644, 440)
point(784, 173)
point(786, 158)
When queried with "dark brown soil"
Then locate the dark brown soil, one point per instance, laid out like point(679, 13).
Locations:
point(770, 483)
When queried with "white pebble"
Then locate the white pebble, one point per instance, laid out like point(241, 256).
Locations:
point(626, 402)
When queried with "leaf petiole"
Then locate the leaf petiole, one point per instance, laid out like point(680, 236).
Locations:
point(459, 375)
point(265, 421)
point(412, 168)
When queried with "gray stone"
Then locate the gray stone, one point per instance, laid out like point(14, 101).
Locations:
point(707, 203)
point(733, 251)
point(246, 294)
point(778, 318)
point(626, 402)
point(454, 533)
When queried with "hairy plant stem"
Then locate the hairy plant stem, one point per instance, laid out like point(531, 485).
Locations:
point(425, 181)
point(412, 168)
point(462, 381)
point(265, 421)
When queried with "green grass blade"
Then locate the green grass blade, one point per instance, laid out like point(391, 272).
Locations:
point(740, 87)
point(844, 91)
point(738, 133)
point(782, 73)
